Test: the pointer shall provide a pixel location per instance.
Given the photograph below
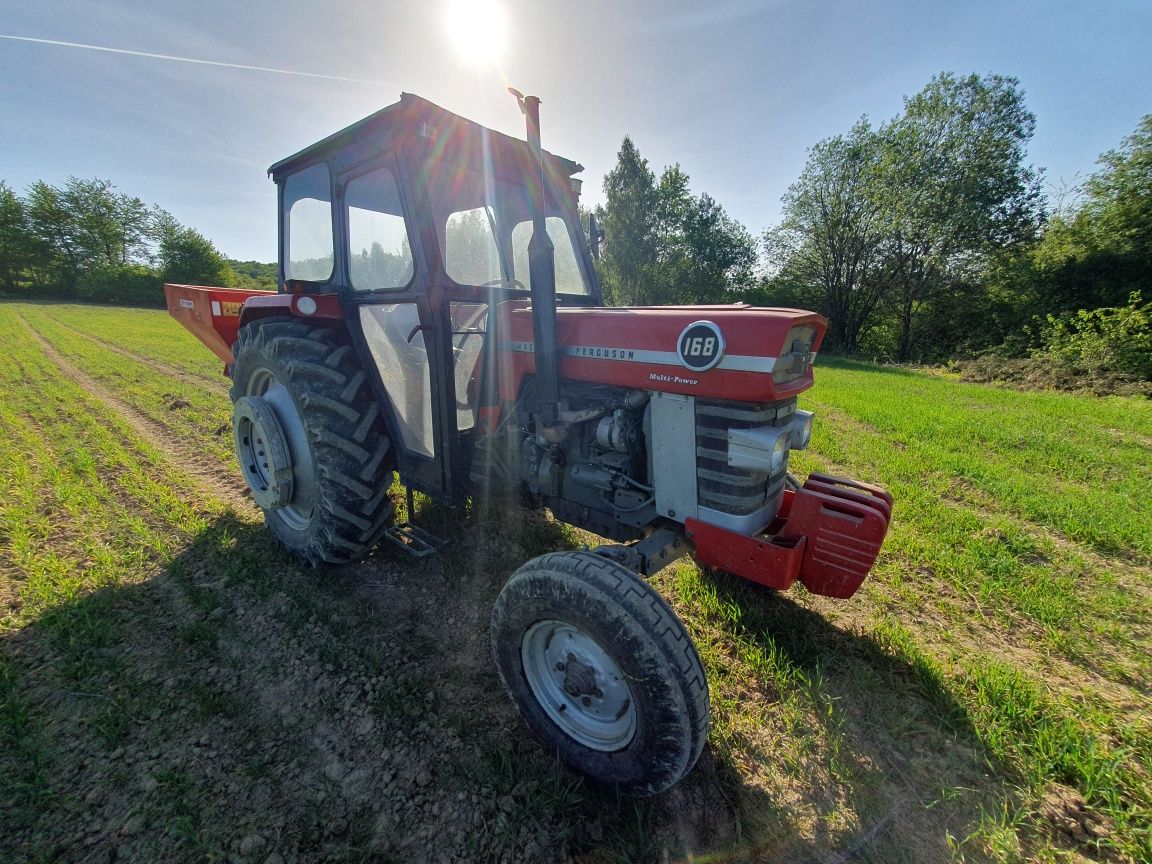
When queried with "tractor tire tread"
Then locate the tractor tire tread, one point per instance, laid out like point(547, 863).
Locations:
point(647, 633)
point(351, 451)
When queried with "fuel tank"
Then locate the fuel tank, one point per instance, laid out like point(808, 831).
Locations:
point(739, 352)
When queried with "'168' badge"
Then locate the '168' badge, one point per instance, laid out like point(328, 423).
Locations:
point(701, 346)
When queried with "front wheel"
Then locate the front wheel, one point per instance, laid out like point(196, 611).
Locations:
point(602, 670)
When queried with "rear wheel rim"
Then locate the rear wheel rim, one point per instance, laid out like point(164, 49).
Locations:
point(578, 685)
point(297, 513)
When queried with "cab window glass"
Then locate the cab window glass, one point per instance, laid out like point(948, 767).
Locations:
point(568, 277)
point(397, 344)
point(308, 225)
point(379, 254)
point(471, 256)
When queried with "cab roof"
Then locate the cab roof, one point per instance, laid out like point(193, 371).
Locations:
point(412, 119)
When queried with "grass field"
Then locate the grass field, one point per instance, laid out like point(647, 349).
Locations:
point(173, 688)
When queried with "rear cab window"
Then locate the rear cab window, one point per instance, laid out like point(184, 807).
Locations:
point(308, 243)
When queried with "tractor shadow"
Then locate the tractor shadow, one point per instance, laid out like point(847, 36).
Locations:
point(355, 714)
point(895, 759)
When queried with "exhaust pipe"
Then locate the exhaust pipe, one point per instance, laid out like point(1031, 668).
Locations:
point(542, 274)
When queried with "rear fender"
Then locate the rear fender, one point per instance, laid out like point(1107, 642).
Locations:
point(325, 306)
point(215, 315)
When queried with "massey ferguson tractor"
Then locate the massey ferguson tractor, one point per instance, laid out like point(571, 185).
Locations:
point(439, 316)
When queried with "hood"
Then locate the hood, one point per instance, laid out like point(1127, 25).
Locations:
point(740, 353)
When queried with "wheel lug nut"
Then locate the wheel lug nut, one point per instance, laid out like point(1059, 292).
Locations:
point(585, 701)
point(560, 667)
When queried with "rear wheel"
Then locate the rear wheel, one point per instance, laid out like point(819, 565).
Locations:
point(602, 670)
point(310, 440)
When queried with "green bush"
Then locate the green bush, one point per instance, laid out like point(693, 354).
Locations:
point(1112, 339)
point(122, 284)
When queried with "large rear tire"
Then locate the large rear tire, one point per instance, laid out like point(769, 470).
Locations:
point(310, 440)
point(602, 670)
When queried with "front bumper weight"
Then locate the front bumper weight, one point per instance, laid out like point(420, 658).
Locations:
point(827, 535)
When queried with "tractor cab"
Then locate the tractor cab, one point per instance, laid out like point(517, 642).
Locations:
point(419, 221)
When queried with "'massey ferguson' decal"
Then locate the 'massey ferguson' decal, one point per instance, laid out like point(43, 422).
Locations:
point(700, 346)
point(731, 362)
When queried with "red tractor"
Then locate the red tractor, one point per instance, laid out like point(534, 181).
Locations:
point(439, 316)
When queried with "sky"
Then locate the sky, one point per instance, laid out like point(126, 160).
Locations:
point(734, 91)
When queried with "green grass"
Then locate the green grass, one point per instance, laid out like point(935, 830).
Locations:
point(85, 506)
point(1020, 534)
point(196, 412)
point(136, 332)
point(997, 656)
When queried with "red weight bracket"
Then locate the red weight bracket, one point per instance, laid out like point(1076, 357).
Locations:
point(828, 535)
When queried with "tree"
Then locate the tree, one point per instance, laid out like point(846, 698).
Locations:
point(831, 240)
point(86, 224)
point(1096, 252)
point(17, 248)
point(255, 275)
point(85, 239)
point(60, 259)
point(703, 254)
point(954, 188)
point(629, 230)
point(663, 244)
point(107, 227)
point(187, 257)
point(1119, 197)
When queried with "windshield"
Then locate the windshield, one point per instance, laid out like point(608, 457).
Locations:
point(485, 225)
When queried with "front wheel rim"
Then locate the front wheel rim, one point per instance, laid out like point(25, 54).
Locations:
point(578, 685)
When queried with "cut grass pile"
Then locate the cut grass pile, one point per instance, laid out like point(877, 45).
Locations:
point(984, 697)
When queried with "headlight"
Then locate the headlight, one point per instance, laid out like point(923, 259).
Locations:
point(800, 429)
point(760, 449)
point(779, 453)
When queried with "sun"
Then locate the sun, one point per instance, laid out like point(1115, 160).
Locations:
point(478, 30)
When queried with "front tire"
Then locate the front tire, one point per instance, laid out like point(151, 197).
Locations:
point(602, 670)
point(310, 440)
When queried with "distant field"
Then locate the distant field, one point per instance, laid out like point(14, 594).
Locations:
point(173, 688)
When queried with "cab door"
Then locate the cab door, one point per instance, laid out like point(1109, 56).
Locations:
point(397, 322)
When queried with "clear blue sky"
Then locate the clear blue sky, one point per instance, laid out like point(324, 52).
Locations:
point(734, 91)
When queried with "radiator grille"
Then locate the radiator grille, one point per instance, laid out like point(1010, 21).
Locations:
point(719, 486)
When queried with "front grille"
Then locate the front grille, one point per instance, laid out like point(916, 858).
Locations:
point(719, 486)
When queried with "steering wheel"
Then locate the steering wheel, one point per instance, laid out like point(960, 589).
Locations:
point(515, 283)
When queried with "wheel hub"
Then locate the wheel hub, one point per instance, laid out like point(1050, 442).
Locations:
point(579, 685)
point(265, 460)
point(579, 680)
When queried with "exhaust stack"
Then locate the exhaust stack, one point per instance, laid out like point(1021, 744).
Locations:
point(542, 274)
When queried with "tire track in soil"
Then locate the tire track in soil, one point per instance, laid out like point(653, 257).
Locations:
point(206, 472)
point(152, 363)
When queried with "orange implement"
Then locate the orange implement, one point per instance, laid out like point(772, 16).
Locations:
point(212, 314)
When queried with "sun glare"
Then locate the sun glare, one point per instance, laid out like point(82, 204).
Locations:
point(478, 29)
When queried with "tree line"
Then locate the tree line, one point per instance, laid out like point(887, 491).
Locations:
point(922, 238)
point(86, 240)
